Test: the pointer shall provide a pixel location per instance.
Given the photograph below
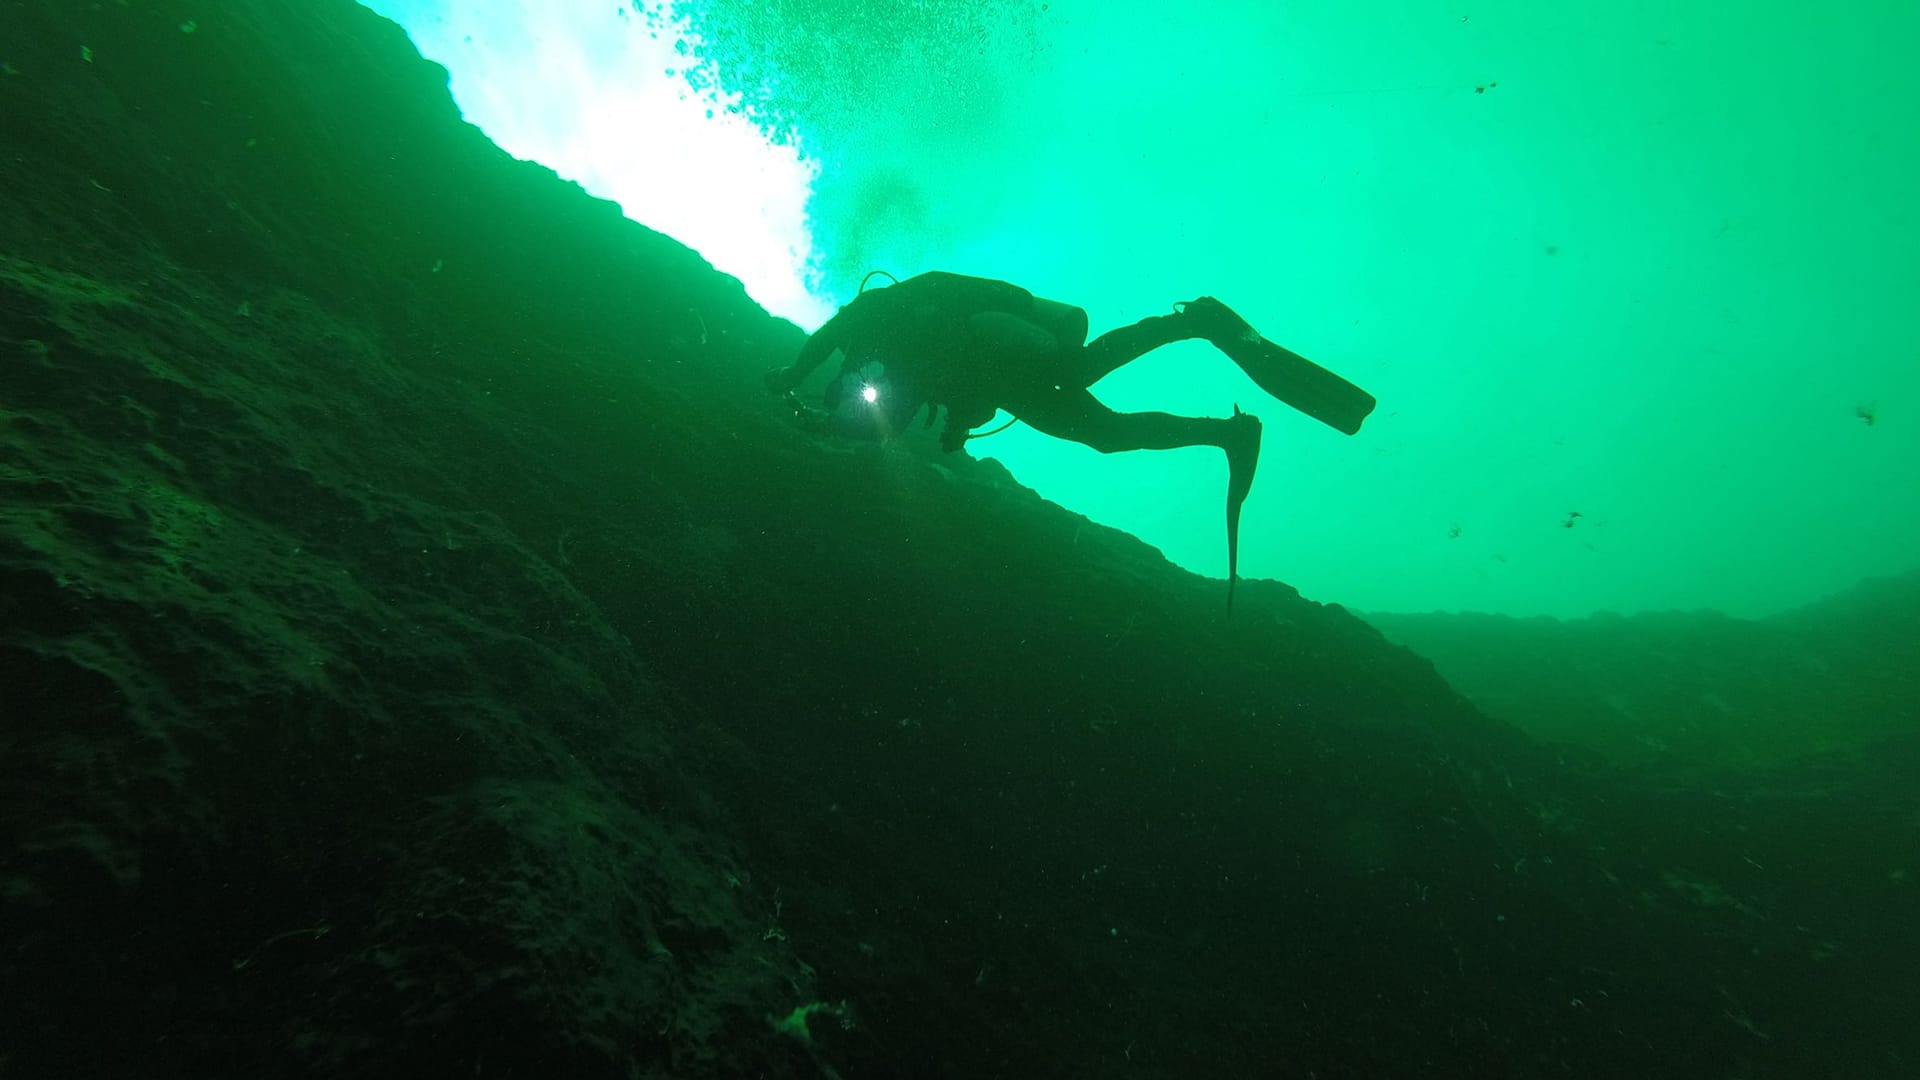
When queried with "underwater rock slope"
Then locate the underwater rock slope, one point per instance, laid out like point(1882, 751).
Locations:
point(1682, 689)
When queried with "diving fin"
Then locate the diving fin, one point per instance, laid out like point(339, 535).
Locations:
point(1300, 382)
point(1243, 457)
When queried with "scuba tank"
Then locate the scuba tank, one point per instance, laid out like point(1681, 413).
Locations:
point(957, 298)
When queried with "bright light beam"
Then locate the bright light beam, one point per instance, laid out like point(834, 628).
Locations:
point(598, 93)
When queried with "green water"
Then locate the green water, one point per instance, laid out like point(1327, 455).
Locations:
point(1640, 263)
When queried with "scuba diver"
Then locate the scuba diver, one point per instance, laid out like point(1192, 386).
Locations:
point(977, 346)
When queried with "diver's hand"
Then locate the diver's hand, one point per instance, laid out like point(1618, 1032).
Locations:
point(779, 380)
point(805, 415)
point(953, 437)
point(810, 419)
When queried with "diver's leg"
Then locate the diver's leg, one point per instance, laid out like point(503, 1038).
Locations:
point(1079, 416)
point(1075, 414)
point(1114, 348)
point(1204, 318)
point(1280, 371)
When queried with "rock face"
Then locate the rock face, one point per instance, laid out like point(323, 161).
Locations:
point(1683, 689)
point(425, 651)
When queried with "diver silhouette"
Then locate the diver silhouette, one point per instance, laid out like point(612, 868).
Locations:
point(975, 346)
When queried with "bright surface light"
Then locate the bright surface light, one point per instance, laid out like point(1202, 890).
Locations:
point(598, 92)
point(870, 393)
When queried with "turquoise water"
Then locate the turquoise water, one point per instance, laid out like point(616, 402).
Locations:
point(1627, 281)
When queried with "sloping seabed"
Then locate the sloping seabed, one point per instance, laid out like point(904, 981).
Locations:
point(424, 650)
point(1686, 690)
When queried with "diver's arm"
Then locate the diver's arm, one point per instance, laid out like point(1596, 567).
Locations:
point(875, 421)
point(832, 335)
